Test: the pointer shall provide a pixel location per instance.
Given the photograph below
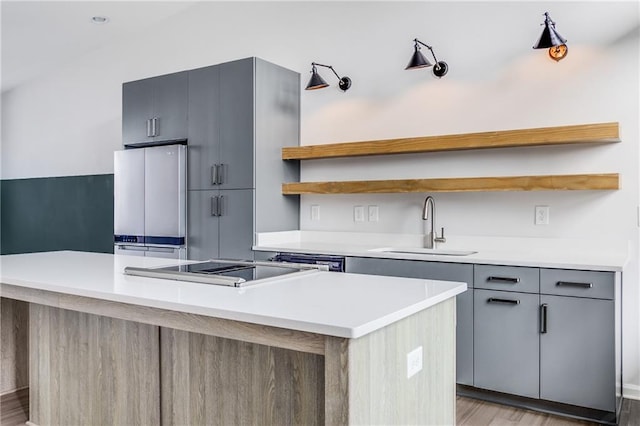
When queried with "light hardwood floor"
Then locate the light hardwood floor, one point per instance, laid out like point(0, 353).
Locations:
point(469, 412)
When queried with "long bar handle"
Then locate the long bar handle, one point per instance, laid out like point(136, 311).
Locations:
point(509, 280)
point(543, 318)
point(507, 301)
point(574, 284)
point(154, 127)
point(149, 134)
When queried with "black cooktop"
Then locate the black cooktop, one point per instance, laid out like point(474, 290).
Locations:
point(222, 272)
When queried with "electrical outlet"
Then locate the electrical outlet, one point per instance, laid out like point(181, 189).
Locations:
point(373, 213)
point(542, 215)
point(358, 213)
point(414, 362)
point(315, 212)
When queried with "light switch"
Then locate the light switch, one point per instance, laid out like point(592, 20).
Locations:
point(315, 212)
point(373, 213)
point(358, 213)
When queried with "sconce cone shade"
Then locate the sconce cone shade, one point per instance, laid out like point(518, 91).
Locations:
point(418, 60)
point(549, 36)
point(316, 82)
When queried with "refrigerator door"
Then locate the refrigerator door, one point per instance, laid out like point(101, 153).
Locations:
point(165, 195)
point(129, 199)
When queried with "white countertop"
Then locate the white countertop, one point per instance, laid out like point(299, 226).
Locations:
point(330, 303)
point(596, 255)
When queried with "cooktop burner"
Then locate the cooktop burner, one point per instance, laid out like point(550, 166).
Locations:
point(224, 272)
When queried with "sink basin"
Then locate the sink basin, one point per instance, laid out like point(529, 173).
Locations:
point(419, 250)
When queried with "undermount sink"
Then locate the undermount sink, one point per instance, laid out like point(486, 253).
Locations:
point(419, 250)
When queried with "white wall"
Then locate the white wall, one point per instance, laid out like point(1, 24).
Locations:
point(68, 122)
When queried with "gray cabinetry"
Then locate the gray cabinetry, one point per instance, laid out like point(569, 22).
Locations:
point(506, 342)
point(241, 114)
point(578, 340)
point(507, 278)
point(436, 271)
point(155, 109)
point(219, 224)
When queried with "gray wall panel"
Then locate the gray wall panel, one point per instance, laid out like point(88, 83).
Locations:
point(57, 213)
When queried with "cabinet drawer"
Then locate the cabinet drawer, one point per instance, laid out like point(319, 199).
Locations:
point(592, 284)
point(509, 278)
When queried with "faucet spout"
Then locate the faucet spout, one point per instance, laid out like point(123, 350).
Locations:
point(429, 214)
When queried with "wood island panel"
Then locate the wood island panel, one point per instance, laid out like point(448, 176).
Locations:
point(379, 390)
point(542, 136)
point(606, 181)
point(216, 381)
point(14, 349)
point(89, 369)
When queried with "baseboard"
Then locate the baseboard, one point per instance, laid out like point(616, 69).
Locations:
point(631, 392)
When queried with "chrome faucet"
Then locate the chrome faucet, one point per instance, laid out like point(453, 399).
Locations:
point(429, 213)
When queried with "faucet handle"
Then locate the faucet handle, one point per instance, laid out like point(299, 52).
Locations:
point(441, 238)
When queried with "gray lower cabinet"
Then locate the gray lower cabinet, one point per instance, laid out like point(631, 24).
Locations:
point(506, 342)
point(155, 109)
point(577, 352)
point(436, 271)
point(219, 224)
point(579, 345)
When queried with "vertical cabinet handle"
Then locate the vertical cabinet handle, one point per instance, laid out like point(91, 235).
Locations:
point(220, 201)
point(149, 128)
point(155, 129)
point(543, 318)
point(216, 205)
point(217, 173)
point(214, 174)
point(220, 176)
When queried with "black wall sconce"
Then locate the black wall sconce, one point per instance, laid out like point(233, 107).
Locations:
point(552, 40)
point(317, 82)
point(419, 61)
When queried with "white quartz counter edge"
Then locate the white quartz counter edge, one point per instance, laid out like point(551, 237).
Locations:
point(335, 304)
point(559, 256)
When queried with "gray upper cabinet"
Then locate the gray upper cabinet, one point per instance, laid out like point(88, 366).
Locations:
point(241, 114)
point(155, 109)
point(435, 271)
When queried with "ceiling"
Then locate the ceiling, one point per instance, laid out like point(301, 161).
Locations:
point(38, 36)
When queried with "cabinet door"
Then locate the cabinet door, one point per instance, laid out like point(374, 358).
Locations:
point(203, 145)
point(137, 108)
point(170, 106)
point(435, 271)
point(202, 229)
point(577, 352)
point(236, 124)
point(506, 342)
point(236, 224)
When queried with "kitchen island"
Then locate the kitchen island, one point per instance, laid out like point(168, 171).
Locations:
point(321, 348)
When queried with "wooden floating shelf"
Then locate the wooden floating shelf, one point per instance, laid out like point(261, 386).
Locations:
point(607, 181)
point(543, 136)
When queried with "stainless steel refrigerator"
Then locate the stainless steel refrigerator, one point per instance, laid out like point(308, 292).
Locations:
point(150, 199)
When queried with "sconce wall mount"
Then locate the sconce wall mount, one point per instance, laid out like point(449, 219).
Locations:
point(317, 82)
point(419, 61)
